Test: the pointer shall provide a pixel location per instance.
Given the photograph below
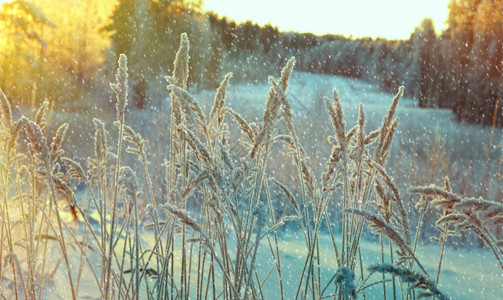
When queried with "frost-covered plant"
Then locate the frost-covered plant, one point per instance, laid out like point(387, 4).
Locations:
point(476, 215)
point(32, 188)
point(415, 279)
point(217, 214)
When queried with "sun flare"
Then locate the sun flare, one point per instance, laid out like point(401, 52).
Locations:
point(341, 150)
point(4, 1)
point(392, 19)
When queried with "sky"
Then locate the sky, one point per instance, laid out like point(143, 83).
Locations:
point(392, 19)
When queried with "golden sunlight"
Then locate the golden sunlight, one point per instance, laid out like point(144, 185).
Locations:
point(152, 149)
point(392, 19)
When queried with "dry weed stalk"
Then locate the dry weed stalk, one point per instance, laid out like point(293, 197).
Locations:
point(415, 279)
point(220, 203)
point(479, 216)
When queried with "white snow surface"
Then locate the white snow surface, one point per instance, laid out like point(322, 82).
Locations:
point(469, 273)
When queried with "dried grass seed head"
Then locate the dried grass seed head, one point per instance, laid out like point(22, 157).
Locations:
point(194, 182)
point(36, 140)
point(195, 143)
point(127, 180)
point(361, 116)
point(41, 115)
point(289, 196)
point(189, 106)
point(272, 107)
point(183, 217)
point(394, 103)
point(416, 279)
point(387, 119)
point(219, 100)
point(372, 137)
point(381, 226)
point(243, 124)
point(287, 108)
point(57, 142)
point(75, 170)
point(121, 87)
point(181, 63)
point(6, 109)
point(447, 184)
point(100, 140)
point(17, 126)
point(286, 73)
point(361, 129)
point(338, 125)
point(338, 108)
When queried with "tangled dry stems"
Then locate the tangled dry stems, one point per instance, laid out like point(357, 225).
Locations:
point(236, 214)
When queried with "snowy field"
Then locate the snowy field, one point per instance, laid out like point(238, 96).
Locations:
point(468, 273)
point(417, 126)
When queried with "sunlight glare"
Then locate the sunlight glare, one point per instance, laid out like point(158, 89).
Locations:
point(393, 19)
point(4, 1)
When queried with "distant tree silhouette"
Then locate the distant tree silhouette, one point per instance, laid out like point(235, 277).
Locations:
point(423, 42)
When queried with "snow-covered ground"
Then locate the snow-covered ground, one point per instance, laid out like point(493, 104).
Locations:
point(466, 273)
point(470, 273)
point(462, 147)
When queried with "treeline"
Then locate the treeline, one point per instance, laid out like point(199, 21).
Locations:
point(460, 69)
point(67, 57)
point(49, 50)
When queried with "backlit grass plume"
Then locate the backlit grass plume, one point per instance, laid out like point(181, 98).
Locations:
point(479, 216)
point(121, 87)
point(181, 64)
point(6, 110)
point(209, 217)
point(414, 279)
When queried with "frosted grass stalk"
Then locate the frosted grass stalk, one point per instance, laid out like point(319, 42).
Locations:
point(121, 90)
